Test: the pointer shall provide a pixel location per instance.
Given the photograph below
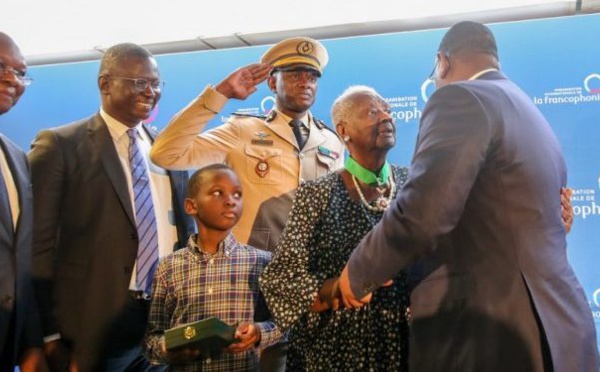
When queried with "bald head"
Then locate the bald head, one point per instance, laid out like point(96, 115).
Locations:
point(466, 49)
point(116, 54)
point(14, 67)
point(469, 38)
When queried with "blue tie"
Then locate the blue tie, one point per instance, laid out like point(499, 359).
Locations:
point(147, 257)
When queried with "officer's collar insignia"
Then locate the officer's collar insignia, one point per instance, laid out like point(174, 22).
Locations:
point(271, 116)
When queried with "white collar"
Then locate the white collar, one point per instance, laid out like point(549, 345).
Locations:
point(115, 127)
point(477, 75)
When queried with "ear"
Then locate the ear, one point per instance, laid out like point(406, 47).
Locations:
point(340, 128)
point(103, 82)
point(272, 82)
point(443, 65)
point(190, 207)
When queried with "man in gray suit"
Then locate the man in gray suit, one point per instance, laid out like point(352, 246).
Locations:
point(20, 336)
point(479, 227)
point(104, 214)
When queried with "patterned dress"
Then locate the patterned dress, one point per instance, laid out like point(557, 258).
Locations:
point(325, 226)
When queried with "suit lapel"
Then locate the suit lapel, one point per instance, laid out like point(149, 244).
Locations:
point(6, 219)
point(105, 147)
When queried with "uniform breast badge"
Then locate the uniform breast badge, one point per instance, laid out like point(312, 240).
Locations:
point(262, 168)
point(262, 139)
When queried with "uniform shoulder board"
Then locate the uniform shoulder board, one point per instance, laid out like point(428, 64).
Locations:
point(268, 118)
point(262, 117)
point(321, 125)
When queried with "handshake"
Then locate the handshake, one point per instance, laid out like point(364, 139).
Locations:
point(330, 296)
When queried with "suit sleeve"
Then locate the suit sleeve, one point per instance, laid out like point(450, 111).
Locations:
point(47, 174)
point(453, 141)
point(181, 146)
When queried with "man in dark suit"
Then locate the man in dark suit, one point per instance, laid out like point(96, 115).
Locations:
point(20, 335)
point(479, 226)
point(104, 214)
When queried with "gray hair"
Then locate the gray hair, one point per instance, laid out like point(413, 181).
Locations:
point(341, 110)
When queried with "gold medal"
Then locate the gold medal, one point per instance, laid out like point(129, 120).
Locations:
point(262, 168)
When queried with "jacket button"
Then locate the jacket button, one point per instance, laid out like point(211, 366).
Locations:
point(134, 235)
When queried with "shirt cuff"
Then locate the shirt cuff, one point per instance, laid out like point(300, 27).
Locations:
point(51, 338)
point(269, 334)
point(212, 100)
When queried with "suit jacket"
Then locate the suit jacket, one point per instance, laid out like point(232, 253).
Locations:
point(246, 143)
point(17, 302)
point(85, 243)
point(479, 220)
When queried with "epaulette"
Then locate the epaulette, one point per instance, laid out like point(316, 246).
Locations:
point(262, 117)
point(268, 118)
point(321, 125)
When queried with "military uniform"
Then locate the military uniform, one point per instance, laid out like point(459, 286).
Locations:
point(262, 151)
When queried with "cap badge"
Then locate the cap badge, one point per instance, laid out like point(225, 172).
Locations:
point(305, 47)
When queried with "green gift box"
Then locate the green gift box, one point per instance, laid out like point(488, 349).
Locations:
point(209, 335)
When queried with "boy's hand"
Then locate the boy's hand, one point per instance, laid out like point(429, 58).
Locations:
point(248, 334)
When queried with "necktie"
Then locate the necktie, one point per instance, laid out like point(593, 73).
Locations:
point(147, 256)
point(296, 125)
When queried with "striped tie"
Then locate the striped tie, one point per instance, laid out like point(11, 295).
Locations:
point(147, 257)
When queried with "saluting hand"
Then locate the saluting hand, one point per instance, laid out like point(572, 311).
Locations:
point(242, 82)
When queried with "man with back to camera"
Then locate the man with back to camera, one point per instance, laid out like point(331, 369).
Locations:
point(479, 217)
point(20, 335)
point(272, 155)
point(104, 214)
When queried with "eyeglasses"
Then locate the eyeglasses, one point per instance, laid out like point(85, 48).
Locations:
point(141, 85)
point(19, 75)
point(437, 61)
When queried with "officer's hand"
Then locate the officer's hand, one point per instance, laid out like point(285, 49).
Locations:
point(242, 82)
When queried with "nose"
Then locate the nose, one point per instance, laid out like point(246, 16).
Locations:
point(230, 200)
point(148, 91)
point(386, 116)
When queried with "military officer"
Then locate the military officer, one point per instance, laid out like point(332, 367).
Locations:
point(272, 155)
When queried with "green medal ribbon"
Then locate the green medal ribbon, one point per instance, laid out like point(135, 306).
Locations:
point(365, 175)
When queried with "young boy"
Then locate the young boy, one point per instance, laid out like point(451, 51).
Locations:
point(214, 276)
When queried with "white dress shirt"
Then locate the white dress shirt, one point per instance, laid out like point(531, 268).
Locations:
point(160, 185)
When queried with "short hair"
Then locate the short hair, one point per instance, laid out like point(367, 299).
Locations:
point(117, 53)
point(343, 105)
point(467, 38)
point(196, 179)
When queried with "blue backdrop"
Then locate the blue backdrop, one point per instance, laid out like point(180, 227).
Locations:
point(555, 61)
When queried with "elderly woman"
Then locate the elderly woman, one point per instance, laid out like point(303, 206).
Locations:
point(329, 217)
